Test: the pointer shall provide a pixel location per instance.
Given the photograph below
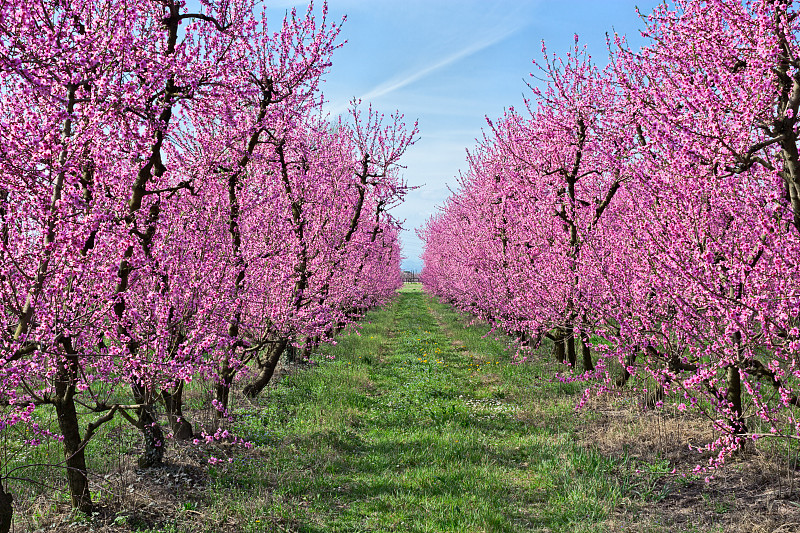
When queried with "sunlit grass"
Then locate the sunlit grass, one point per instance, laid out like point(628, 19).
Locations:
point(412, 427)
point(420, 419)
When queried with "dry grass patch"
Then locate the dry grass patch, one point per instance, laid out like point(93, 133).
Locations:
point(133, 499)
point(752, 492)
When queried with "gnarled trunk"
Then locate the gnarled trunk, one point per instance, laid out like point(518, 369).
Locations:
point(154, 444)
point(173, 405)
point(74, 457)
point(266, 364)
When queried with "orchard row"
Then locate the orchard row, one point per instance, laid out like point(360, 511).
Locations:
point(645, 216)
point(174, 205)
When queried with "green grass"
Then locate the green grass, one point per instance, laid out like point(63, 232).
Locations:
point(419, 420)
point(418, 423)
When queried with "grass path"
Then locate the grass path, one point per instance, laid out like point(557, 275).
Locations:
point(419, 423)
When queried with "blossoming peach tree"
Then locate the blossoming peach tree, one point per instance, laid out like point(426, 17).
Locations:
point(172, 205)
point(651, 210)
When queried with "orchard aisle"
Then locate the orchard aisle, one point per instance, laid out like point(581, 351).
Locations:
point(421, 424)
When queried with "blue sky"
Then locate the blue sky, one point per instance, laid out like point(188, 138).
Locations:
point(449, 64)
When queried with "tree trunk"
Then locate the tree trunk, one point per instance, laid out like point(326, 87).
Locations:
point(291, 353)
point(148, 424)
point(526, 339)
point(308, 349)
point(173, 405)
point(588, 365)
point(570, 337)
point(223, 391)
point(74, 457)
point(560, 346)
point(734, 394)
point(266, 367)
point(6, 510)
point(734, 397)
point(622, 380)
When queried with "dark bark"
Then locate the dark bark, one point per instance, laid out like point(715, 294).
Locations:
point(654, 397)
point(560, 346)
point(734, 393)
point(153, 167)
point(586, 350)
point(298, 219)
point(173, 405)
point(308, 349)
point(734, 397)
point(570, 339)
point(74, 457)
point(362, 190)
point(568, 215)
point(226, 371)
point(154, 443)
point(266, 364)
point(6, 510)
point(622, 380)
point(291, 353)
point(223, 390)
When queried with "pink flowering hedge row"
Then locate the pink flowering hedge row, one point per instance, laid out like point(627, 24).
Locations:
point(175, 206)
point(646, 216)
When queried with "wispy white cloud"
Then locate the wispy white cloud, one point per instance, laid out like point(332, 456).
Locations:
point(398, 82)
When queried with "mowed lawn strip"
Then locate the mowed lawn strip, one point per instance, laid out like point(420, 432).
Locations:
point(417, 423)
